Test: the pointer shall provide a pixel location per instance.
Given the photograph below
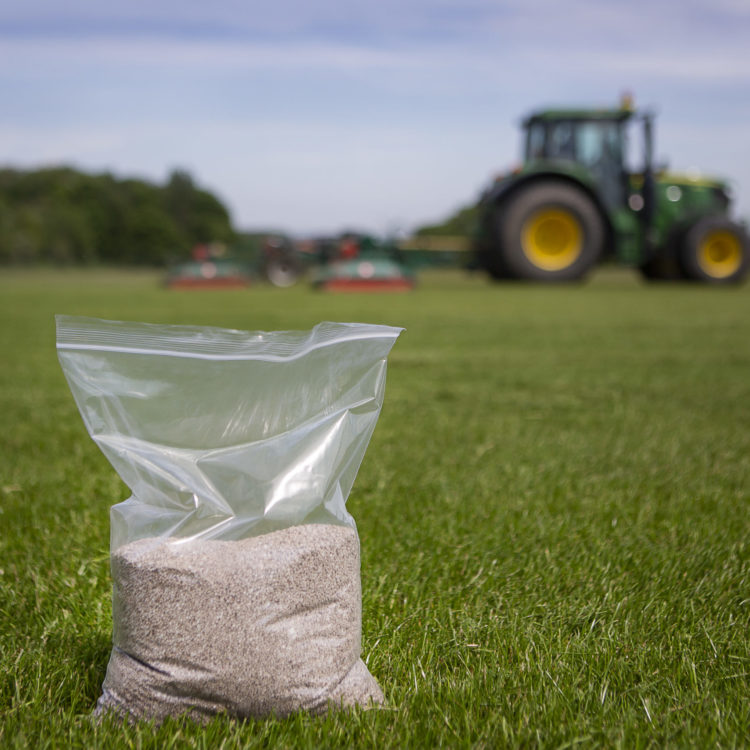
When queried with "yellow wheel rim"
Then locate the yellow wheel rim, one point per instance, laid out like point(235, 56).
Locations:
point(552, 239)
point(720, 254)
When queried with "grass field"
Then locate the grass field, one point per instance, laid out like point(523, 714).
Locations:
point(554, 514)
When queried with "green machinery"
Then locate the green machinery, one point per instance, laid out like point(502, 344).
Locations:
point(578, 197)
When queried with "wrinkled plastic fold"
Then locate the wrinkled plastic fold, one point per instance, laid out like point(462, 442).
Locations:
point(225, 434)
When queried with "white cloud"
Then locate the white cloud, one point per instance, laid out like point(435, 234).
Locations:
point(145, 51)
point(49, 144)
point(552, 49)
point(322, 114)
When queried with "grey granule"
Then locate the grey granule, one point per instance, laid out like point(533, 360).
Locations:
point(265, 625)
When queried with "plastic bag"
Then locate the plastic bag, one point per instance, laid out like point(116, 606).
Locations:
point(235, 563)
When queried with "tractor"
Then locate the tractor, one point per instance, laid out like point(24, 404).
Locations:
point(578, 197)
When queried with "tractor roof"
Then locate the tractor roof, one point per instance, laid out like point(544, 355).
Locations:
point(555, 115)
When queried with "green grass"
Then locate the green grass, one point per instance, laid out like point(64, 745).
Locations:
point(554, 516)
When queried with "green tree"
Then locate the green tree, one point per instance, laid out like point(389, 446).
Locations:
point(61, 215)
point(460, 224)
point(199, 215)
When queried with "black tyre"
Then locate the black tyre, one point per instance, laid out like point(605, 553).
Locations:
point(549, 231)
point(715, 250)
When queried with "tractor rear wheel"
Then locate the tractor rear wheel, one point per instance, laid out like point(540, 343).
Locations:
point(550, 231)
point(715, 250)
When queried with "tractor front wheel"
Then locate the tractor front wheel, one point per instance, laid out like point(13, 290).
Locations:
point(715, 250)
point(549, 231)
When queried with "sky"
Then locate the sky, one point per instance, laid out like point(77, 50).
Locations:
point(315, 116)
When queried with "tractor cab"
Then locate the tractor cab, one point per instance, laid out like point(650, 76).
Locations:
point(591, 142)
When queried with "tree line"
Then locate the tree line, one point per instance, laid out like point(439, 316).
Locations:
point(461, 224)
point(64, 216)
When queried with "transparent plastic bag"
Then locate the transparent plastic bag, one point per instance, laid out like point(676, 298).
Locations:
point(235, 563)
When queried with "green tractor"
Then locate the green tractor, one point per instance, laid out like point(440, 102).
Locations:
point(578, 198)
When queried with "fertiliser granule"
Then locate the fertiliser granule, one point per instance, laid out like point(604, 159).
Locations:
point(265, 625)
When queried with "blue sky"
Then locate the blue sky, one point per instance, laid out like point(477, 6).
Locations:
point(314, 116)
